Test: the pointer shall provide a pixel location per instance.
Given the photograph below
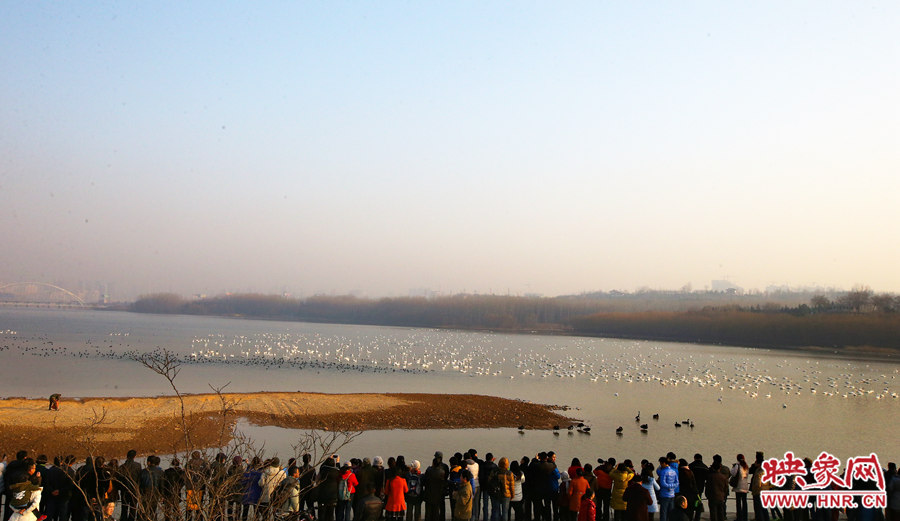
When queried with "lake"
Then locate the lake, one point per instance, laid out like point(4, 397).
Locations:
point(738, 399)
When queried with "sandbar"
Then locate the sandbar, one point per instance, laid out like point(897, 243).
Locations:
point(112, 426)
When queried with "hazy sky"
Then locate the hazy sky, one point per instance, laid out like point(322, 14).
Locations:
point(545, 147)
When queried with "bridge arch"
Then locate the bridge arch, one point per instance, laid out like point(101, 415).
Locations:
point(46, 285)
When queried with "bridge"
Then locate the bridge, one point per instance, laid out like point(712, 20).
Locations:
point(38, 294)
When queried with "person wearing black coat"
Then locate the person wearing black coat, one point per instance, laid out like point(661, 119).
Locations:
point(687, 487)
point(54, 481)
point(327, 489)
point(433, 486)
point(701, 472)
point(129, 479)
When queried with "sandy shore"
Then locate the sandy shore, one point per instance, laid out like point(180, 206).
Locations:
point(111, 426)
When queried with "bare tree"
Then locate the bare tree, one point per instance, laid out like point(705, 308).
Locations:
point(167, 365)
point(884, 303)
point(820, 302)
point(858, 298)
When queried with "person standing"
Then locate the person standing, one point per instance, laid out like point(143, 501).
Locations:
point(506, 486)
point(170, 492)
point(637, 500)
point(196, 473)
point(150, 487)
point(251, 488)
point(578, 485)
point(760, 513)
point(463, 498)
point(271, 477)
point(588, 509)
point(233, 488)
point(291, 488)
point(701, 471)
point(395, 493)
point(414, 492)
point(53, 479)
point(486, 470)
point(517, 500)
point(740, 485)
point(327, 489)
point(433, 485)
point(620, 478)
point(129, 479)
point(652, 487)
point(603, 487)
point(687, 487)
point(668, 487)
point(346, 493)
point(893, 497)
point(473, 466)
point(717, 489)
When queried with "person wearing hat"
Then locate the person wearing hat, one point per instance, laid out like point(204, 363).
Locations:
point(414, 492)
point(434, 486)
point(442, 508)
point(378, 465)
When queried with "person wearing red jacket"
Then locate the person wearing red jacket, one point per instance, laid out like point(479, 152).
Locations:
point(395, 491)
point(576, 489)
point(349, 485)
point(588, 509)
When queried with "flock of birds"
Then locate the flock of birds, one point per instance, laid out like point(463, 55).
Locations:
point(581, 428)
point(496, 356)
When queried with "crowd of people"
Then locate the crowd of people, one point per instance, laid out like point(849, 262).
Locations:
point(466, 487)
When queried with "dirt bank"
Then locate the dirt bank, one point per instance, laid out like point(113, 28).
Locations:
point(154, 425)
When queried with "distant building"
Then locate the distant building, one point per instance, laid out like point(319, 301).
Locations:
point(423, 293)
point(725, 286)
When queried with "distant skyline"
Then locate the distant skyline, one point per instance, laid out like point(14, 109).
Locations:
point(481, 147)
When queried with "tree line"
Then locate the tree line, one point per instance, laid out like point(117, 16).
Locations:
point(856, 318)
point(749, 328)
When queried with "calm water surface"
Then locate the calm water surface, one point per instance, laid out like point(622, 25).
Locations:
point(739, 399)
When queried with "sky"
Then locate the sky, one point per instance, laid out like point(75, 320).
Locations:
point(491, 147)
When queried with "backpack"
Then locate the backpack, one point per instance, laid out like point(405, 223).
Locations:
point(735, 479)
point(343, 491)
point(493, 482)
point(412, 482)
point(454, 481)
point(20, 494)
